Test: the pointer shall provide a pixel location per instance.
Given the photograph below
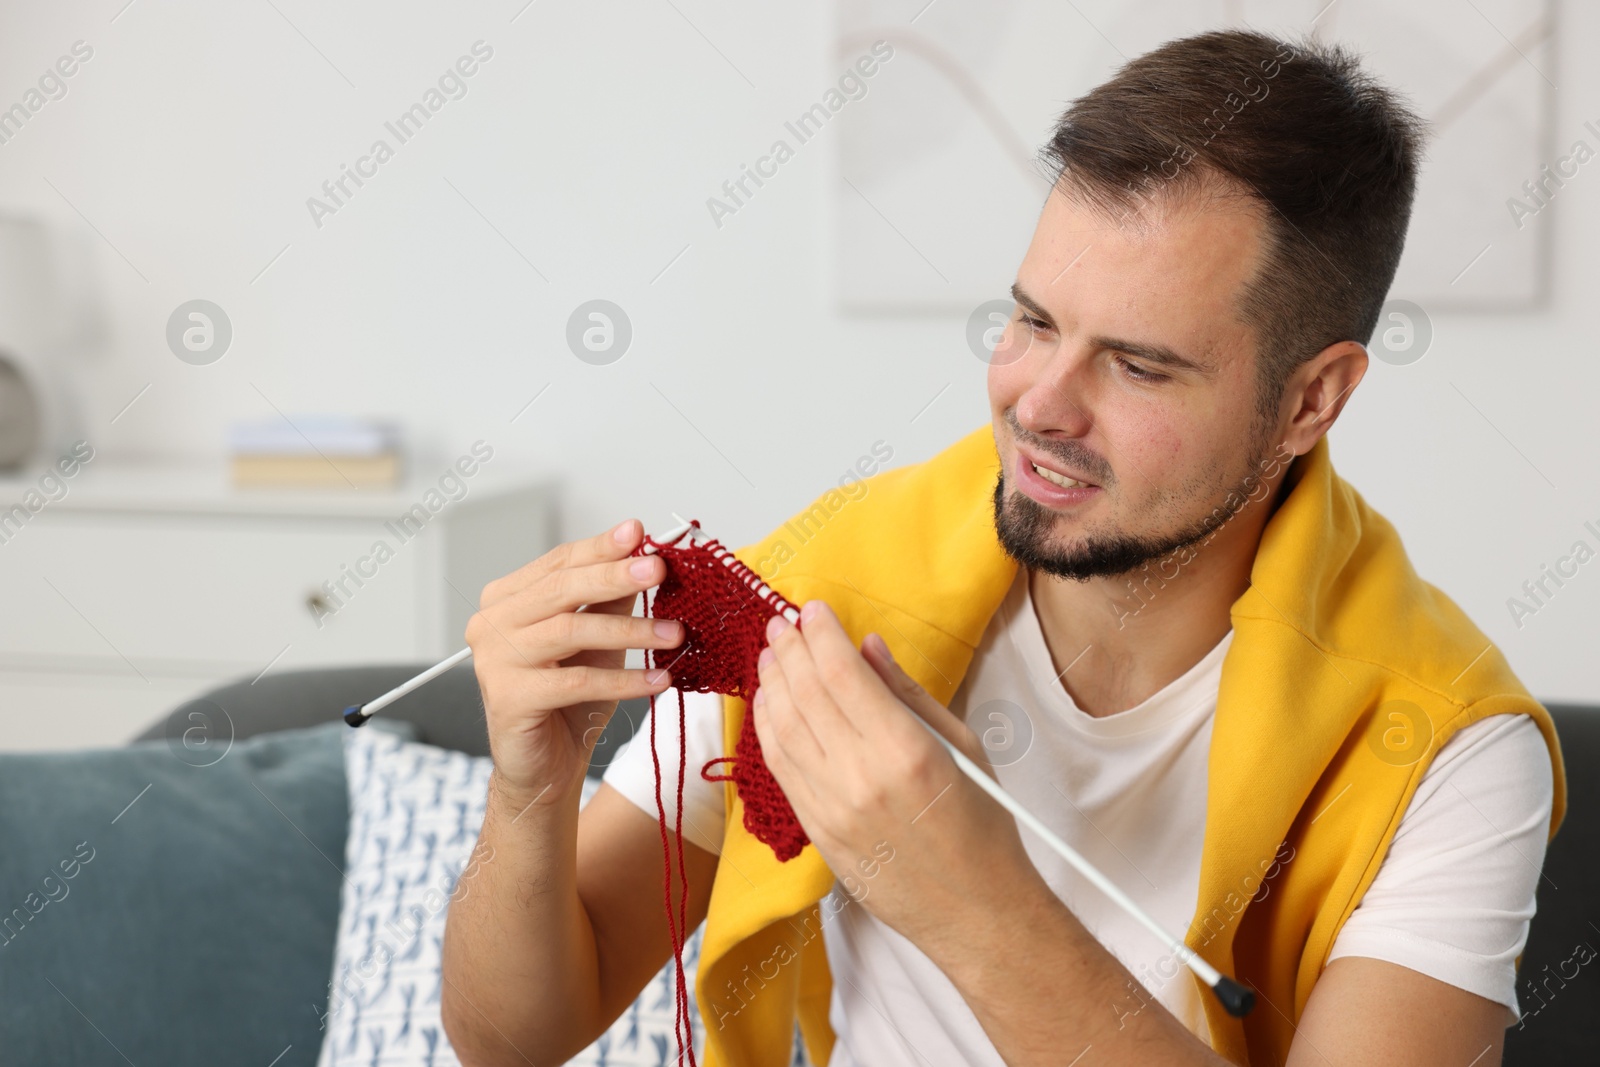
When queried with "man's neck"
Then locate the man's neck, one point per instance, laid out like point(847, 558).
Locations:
point(1116, 641)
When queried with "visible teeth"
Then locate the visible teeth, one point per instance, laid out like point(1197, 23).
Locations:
point(1059, 479)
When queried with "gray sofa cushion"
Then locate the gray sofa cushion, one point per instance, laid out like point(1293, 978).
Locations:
point(171, 905)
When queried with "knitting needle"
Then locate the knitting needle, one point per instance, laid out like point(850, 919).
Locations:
point(356, 714)
point(696, 533)
point(1236, 998)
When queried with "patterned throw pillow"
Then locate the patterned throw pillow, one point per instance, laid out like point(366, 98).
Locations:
point(415, 811)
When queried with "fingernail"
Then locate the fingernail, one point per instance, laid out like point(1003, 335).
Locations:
point(665, 629)
point(776, 625)
point(655, 677)
point(623, 531)
point(810, 610)
point(765, 658)
point(641, 568)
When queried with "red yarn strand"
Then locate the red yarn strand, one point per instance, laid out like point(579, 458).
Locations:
point(682, 1024)
point(724, 607)
point(683, 882)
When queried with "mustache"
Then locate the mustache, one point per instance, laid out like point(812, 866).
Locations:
point(1070, 454)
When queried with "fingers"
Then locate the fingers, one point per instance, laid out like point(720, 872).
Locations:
point(805, 680)
point(907, 688)
point(613, 544)
point(787, 740)
point(610, 588)
point(778, 752)
point(558, 637)
point(642, 572)
point(919, 700)
point(858, 679)
point(562, 687)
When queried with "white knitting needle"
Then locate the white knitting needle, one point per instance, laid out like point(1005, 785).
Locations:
point(356, 714)
point(1236, 998)
point(728, 559)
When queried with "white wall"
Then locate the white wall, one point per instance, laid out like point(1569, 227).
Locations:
point(591, 140)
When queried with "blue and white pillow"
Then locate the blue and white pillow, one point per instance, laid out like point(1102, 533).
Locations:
point(415, 811)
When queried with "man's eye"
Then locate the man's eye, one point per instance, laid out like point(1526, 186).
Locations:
point(1036, 325)
point(1138, 373)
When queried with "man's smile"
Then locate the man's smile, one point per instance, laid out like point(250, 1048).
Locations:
point(1051, 486)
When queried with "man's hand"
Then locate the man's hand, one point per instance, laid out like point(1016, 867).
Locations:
point(909, 836)
point(548, 645)
point(563, 929)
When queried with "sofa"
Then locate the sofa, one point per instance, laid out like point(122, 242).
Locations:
point(202, 929)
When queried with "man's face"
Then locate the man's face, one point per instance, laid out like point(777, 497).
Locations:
point(1125, 367)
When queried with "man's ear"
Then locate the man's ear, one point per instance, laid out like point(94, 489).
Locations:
point(1318, 390)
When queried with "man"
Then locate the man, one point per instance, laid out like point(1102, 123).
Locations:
point(1142, 598)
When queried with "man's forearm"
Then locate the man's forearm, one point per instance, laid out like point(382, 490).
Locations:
point(520, 967)
point(1045, 990)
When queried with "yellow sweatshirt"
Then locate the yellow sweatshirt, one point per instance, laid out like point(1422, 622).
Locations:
point(1346, 674)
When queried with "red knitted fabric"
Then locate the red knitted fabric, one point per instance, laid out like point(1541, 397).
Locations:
point(724, 607)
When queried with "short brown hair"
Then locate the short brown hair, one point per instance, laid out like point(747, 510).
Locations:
point(1329, 154)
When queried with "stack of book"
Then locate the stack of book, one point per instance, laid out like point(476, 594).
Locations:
point(314, 452)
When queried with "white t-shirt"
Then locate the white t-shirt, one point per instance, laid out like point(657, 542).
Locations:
point(1452, 899)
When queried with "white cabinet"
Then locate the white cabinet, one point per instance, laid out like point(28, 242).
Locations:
point(145, 585)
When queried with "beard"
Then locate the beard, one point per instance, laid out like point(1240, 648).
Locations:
point(1025, 526)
